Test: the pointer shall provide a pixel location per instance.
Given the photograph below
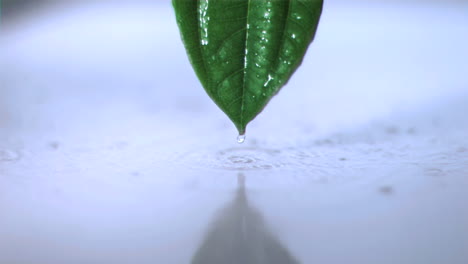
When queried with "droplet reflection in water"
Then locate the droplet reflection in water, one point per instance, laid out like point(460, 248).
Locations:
point(240, 139)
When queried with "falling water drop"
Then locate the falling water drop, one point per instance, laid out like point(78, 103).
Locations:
point(240, 139)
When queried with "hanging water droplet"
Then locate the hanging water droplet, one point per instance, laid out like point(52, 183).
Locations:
point(240, 139)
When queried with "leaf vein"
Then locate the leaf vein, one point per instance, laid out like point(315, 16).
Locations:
point(227, 39)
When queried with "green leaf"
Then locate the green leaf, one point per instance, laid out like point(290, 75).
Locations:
point(244, 51)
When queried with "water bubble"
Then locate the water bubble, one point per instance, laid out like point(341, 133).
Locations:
point(240, 139)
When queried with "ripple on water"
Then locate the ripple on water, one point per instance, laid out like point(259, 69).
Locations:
point(7, 155)
point(436, 172)
point(248, 159)
point(238, 159)
point(254, 158)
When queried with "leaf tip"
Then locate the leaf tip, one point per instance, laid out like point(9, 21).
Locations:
point(241, 129)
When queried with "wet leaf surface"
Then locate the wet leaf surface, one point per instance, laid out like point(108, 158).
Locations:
point(245, 51)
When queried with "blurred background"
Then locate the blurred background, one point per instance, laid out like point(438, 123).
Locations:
point(111, 152)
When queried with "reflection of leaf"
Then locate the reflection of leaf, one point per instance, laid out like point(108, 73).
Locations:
point(239, 236)
point(244, 51)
